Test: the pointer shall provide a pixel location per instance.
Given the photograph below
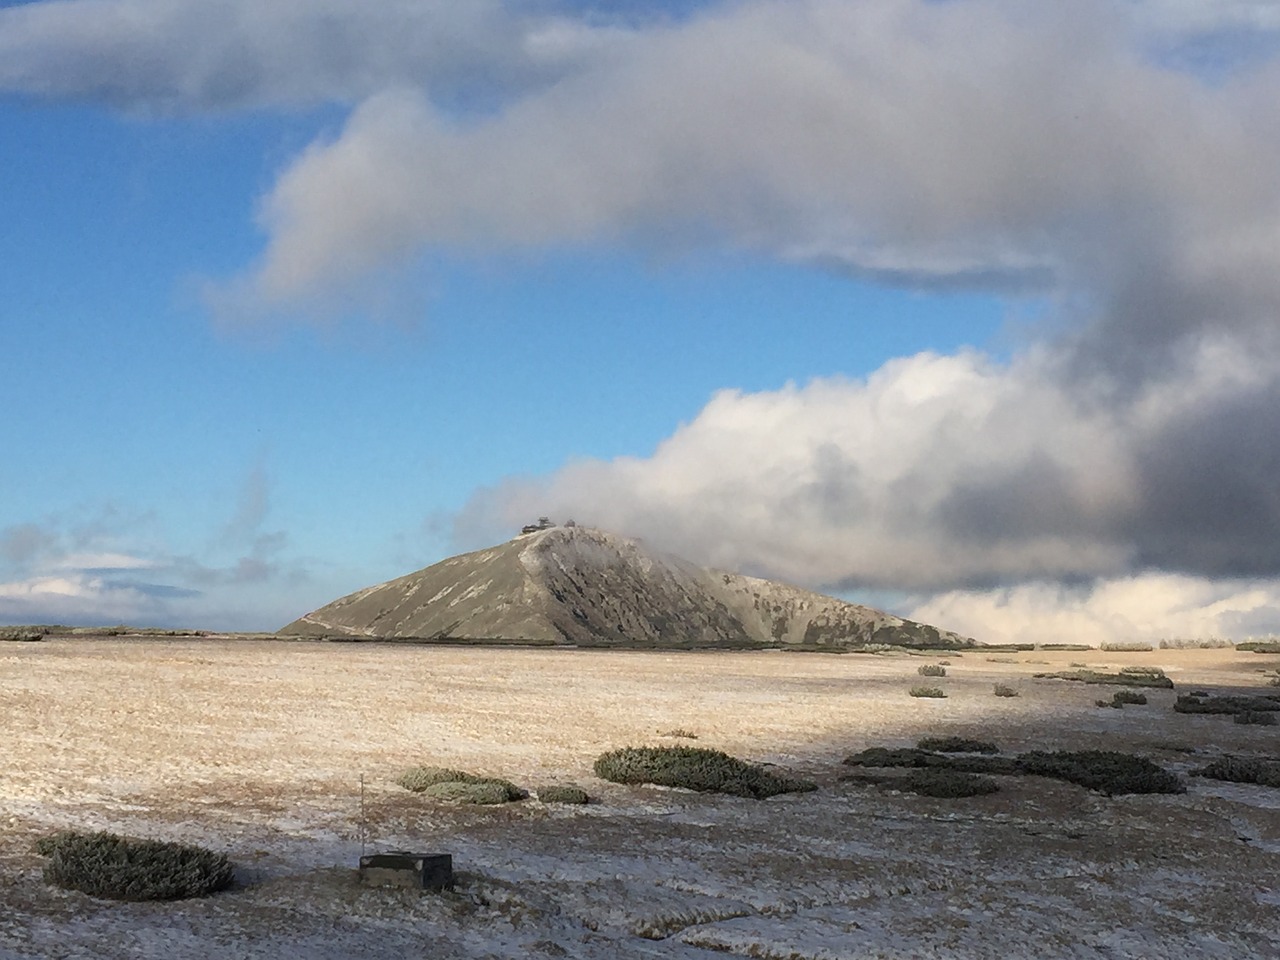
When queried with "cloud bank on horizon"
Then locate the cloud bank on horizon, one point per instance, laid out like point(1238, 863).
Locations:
point(1113, 162)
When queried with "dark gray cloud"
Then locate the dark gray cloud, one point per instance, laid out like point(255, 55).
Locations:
point(184, 55)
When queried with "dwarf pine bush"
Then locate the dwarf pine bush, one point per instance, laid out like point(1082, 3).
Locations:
point(426, 779)
point(695, 768)
point(563, 793)
point(479, 792)
point(1242, 770)
point(1004, 690)
point(121, 868)
point(935, 693)
point(956, 745)
point(946, 784)
point(1106, 771)
point(932, 670)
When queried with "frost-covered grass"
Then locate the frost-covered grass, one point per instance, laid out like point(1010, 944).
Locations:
point(258, 749)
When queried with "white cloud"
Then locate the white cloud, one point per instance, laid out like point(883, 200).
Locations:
point(1149, 607)
point(939, 473)
point(101, 561)
point(74, 598)
point(1191, 17)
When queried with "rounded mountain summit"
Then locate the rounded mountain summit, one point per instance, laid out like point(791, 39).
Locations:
point(577, 586)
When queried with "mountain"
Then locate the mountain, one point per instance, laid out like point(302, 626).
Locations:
point(585, 587)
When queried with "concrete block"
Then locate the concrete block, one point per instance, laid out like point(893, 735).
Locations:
point(399, 868)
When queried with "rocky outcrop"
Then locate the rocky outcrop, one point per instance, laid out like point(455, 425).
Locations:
point(586, 587)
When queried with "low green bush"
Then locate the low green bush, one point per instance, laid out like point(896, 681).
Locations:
point(679, 732)
point(1004, 690)
point(423, 779)
point(18, 635)
point(932, 670)
point(1106, 771)
point(1255, 718)
point(1140, 671)
point(1260, 646)
point(122, 868)
point(695, 768)
point(1094, 676)
point(917, 758)
point(1191, 703)
point(563, 793)
point(956, 745)
point(935, 693)
point(1127, 646)
point(946, 784)
point(1127, 697)
point(481, 793)
point(1242, 770)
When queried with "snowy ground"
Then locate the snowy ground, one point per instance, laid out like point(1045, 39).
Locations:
point(258, 749)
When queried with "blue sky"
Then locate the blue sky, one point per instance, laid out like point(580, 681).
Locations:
point(957, 307)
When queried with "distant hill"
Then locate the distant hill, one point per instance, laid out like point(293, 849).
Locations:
point(585, 587)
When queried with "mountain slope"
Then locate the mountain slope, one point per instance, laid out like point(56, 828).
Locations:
point(576, 585)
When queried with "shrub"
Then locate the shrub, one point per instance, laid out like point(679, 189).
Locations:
point(422, 779)
point(695, 768)
point(1127, 646)
point(1004, 690)
point(1141, 671)
point(957, 745)
point(1108, 703)
point(1226, 704)
point(563, 793)
point(1242, 770)
point(18, 635)
point(1122, 697)
point(1109, 773)
point(1106, 771)
point(121, 868)
point(912, 757)
point(679, 732)
point(480, 792)
point(948, 784)
point(1260, 646)
point(1126, 679)
point(935, 693)
point(1255, 717)
point(932, 670)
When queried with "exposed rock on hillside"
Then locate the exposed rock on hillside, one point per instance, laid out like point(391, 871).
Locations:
point(576, 585)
